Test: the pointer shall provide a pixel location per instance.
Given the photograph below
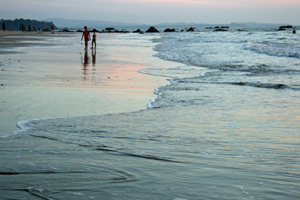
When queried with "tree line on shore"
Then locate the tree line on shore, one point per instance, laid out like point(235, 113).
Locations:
point(27, 25)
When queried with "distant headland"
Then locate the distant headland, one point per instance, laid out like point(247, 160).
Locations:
point(27, 25)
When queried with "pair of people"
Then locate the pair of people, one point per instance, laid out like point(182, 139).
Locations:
point(86, 36)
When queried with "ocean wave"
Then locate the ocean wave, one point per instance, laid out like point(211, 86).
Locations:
point(274, 49)
point(146, 156)
point(263, 85)
point(255, 53)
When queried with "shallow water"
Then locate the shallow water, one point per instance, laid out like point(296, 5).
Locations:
point(63, 80)
point(225, 127)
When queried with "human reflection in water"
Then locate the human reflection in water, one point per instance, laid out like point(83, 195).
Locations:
point(94, 57)
point(85, 61)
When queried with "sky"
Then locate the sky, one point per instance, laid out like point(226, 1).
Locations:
point(156, 11)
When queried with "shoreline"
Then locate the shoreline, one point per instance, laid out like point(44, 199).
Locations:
point(38, 81)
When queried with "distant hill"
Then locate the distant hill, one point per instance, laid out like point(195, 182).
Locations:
point(15, 25)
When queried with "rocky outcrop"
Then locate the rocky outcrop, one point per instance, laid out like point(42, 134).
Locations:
point(138, 31)
point(152, 29)
point(192, 29)
point(95, 30)
point(109, 29)
point(170, 30)
point(220, 29)
point(283, 28)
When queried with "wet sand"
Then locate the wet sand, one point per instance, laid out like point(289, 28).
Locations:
point(12, 39)
point(44, 75)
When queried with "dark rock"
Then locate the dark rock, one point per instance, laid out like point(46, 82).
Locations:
point(46, 30)
point(170, 30)
point(220, 30)
point(288, 26)
point(191, 29)
point(121, 31)
point(283, 28)
point(152, 29)
point(137, 31)
point(110, 29)
point(279, 86)
point(65, 30)
point(95, 30)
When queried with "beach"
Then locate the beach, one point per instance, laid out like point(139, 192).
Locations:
point(43, 75)
point(177, 116)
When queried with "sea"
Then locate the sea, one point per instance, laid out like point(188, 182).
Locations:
point(226, 125)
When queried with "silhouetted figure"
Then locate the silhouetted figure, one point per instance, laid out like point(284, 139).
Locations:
point(22, 27)
point(94, 40)
point(86, 36)
point(3, 26)
point(29, 28)
point(294, 31)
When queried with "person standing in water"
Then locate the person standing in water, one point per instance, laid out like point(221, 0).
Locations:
point(86, 36)
point(94, 40)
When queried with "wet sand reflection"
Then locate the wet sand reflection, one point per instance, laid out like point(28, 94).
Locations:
point(86, 60)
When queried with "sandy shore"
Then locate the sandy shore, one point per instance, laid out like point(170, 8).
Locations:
point(44, 75)
point(13, 39)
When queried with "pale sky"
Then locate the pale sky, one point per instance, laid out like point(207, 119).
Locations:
point(156, 11)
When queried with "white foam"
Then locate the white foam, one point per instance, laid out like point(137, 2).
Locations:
point(23, 126)
point(152, 102)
